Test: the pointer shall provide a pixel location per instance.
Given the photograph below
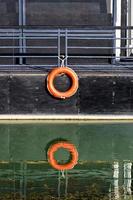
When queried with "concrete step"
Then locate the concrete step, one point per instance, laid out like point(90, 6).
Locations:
point(69, 19)
point(52, 13)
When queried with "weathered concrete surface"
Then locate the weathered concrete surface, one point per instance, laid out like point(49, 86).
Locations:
point(55, 13)
point(9, 12)
point(34, 97)
point(98, 93)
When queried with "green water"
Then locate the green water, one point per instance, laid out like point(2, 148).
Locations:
point(26, 174)
point(87, 181)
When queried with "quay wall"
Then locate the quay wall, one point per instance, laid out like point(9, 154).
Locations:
point(99, 93)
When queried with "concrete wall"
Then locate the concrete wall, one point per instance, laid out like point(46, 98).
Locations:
point(54, 13)
point(66, 13)
point(98, 93)
point(9, 12)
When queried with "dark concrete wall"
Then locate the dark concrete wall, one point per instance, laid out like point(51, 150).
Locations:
point(9, 12)
point(67, 13)
point(99, 93)
point(56, 13)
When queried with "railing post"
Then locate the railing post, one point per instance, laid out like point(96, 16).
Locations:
point(59, 52)
point(22, 22)
point(66, 46)
point(117, 22)
point(124, 31)
point(21, 34)
point(130, 23)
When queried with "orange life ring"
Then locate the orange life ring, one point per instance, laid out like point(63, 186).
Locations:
point(66, 145)
point(50, 82)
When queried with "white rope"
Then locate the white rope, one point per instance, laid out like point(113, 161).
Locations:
point(62, 60)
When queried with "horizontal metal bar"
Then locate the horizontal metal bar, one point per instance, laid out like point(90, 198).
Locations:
point(55, 47)
point(57, 30)
point(68, 30)
point(52, 37)
point(27, 38)
point(100, 38)
point(45, 26)
point(69, 57)
point(85, 47)
point(73, 38)
point(42, 35)
point(91, 35)
point(38, 27)
point(97, 56)
point(28, 65)
point(29, 47)
point(25, 56)
point(10, 30)
point(55, 34)
point(47, 66)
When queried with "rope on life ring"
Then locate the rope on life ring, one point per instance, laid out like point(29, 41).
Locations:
point(73, 152)
point(70, 73)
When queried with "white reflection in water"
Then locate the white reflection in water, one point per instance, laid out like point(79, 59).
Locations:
point(127, 179)
point(99, 181)
point(62, 175)
point(116, 180)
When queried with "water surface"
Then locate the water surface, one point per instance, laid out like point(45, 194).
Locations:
point(104, 170)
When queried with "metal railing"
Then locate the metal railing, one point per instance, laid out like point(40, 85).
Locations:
point(43, 48)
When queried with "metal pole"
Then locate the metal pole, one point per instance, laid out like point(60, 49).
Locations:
point(59, 48)
point(132, 23)
point(124, 31)
point(24, 12)
point(128, 24)
point(21, 34)
point(114, 24)
point(66, 45)
point(24, 24)
point(117, 22)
